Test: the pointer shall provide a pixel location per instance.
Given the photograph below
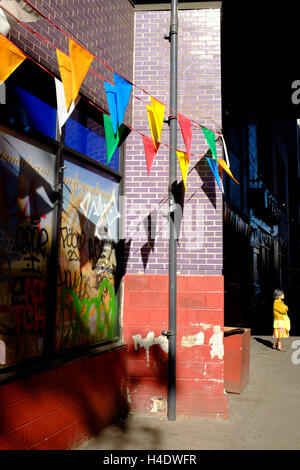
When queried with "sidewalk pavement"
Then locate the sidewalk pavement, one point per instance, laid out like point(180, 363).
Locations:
point(265, 416)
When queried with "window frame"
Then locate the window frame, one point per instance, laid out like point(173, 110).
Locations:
point(51, 358)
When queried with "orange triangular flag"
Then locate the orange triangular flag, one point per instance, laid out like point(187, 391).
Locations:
point(81, 60)
point(73, 69)
point(184, 164)
point(10, 58)
point(150, 151)
point(224, 165)
point(65, 68)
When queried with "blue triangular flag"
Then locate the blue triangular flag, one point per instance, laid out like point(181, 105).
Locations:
point(111, 95)
point(214, 168)
point(123, 88)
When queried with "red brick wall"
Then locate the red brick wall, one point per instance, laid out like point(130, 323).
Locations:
point(199, 355)
point(58, 409)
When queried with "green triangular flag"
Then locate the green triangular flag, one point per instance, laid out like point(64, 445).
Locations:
point(111, 138)
point(210, 138)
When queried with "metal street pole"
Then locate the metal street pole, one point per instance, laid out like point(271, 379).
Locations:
point(173, 39)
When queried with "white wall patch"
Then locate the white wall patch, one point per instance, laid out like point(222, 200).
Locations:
point(149, 341)
point(193, 340)
point(216, 343)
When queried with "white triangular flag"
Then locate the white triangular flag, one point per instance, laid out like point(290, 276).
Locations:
point(62, 113)
point(225, 151)
point(4, 23)
point(19, 11)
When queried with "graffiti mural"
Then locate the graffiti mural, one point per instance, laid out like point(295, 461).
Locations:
point(87, 310)
point(26, 220)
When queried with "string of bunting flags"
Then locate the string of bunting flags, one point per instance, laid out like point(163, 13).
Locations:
point(73, 70)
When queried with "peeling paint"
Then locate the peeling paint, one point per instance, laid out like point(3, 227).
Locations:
point(204, 326)
point(159, 404)
point(193, 340)
point(149, 341)
point(216, 343)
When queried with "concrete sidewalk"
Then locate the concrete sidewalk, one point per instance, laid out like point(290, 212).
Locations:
point(265, 416)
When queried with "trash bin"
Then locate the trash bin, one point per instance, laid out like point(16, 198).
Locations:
point(236, 358)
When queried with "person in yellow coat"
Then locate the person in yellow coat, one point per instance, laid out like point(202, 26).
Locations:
point(281, 321)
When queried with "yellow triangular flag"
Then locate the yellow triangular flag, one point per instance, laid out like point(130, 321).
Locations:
point(184, 164)
point(81, 60)
point(156, 119)
point(224, 165)
point(10, 58)
point(65, 68)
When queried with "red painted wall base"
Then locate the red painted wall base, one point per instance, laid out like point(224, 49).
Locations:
point(58, 409)
point(200, 352)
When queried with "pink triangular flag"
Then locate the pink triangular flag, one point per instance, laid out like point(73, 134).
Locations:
point(186, 130)
point(150, 151)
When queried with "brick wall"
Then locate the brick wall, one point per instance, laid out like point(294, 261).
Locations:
point(104, 28)
point(199, 345)
point(58, 409)
point(200, 291)
point(199, 98)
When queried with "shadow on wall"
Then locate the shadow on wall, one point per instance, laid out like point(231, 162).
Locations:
point(54, 406)
point(204, 172)
point(66, 404)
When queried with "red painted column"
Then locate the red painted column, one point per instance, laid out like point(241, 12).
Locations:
point(200, 351)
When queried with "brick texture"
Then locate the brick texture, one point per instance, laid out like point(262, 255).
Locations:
point(56, 410)
point(199, 98)
point(104, 28)
point(200, 290)
point(199, 345)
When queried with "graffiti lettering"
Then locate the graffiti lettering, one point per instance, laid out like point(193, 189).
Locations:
point(31, 240)
point(95, 250)
point(29, 312)
point(79, 283)
point(106, 215)
point(90, 315)
point(73, 241)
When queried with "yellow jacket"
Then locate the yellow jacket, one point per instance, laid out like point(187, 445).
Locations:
point(279, 309)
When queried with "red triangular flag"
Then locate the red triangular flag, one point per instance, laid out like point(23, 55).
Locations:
point(150, 151)
point(186, 130)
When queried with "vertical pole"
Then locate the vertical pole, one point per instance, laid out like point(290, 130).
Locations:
point(173, 38)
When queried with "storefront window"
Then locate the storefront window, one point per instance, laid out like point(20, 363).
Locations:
point(58, 244)
point(87, 310)
point(28, 100)
point(85, 134)
point(26, 222)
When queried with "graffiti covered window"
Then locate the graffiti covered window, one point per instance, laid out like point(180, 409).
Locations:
point(26, 219)
point(87, 310)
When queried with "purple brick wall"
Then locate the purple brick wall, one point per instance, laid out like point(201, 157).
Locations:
point(104, 28)
point(199, 98)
